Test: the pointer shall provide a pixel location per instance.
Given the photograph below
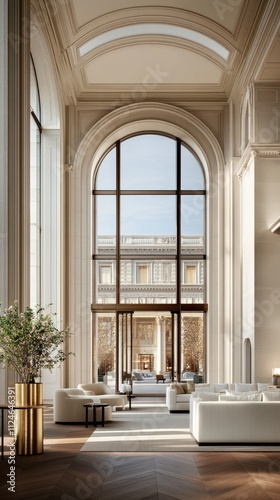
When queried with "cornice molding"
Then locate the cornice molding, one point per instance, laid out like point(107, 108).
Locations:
point(252, 151)
point(254, 57)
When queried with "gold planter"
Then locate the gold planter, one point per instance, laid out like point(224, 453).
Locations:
point(29, 421)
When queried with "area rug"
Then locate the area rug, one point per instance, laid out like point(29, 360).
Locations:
point(151, 428)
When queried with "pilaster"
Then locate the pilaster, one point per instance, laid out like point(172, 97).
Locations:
point(19, 151)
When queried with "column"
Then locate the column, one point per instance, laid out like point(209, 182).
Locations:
point(161, 344)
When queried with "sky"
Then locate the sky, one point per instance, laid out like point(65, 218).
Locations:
point(148, 162)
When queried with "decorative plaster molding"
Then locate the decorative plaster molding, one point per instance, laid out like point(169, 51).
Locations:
point(252, 151)
point(269, 152)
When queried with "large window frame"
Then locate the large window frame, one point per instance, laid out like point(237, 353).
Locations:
point(180, 256)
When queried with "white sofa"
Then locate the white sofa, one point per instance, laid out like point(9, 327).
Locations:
point(69, 406)
point(178, 394)
point(104, 393)
point(144, 376)
point(238, 422)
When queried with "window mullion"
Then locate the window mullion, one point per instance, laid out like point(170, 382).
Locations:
point(178, 166)
point(118, 223)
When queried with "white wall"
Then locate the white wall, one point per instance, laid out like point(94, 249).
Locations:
point(248, 260)
point(267, 268)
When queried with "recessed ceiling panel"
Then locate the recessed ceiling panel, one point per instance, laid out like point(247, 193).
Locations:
point(270, 71)
point(225, 13)
point(152, 65)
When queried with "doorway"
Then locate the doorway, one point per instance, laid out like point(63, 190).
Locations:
point(146, 362)
point(158, 342)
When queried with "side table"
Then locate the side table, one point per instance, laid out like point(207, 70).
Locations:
point(129, 397)
point(94, 406)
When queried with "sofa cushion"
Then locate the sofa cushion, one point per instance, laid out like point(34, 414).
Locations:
point(177, 387)
point(220, 387)
point(97, 387)
point(73, 392)
point(263, 387)
point(246, 387)
point(203, 388)
point(183, 387)
point(89, 393)
point(200, 386)
point(252, 396)
point(191, 387)
point(208, 396)
point(271, 395)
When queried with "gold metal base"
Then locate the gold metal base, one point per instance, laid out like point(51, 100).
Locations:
point(29, 422)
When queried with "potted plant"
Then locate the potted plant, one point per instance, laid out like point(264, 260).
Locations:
point(29, 343)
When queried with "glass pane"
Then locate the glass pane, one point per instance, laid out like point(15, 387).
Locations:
point(192, 213)
point(193, 282)
point(148, 282)
point(105, 346)
point(192, 347)
point(191, 173)
point(192, 245)
point(152, 352)
point(106, 175)
point(125, 326)
point(148, 215)
point(105, 224)
point(148, 162)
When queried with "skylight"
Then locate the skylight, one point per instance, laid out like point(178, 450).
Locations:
point(155, 29)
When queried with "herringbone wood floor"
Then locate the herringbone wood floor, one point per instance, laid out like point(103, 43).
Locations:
point(62, 473)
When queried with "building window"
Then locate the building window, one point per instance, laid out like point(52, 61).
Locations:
point(142, 274)
point(105, 275)
point(191, 274)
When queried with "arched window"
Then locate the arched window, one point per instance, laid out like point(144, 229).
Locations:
point(149, 259)
point(35, 189)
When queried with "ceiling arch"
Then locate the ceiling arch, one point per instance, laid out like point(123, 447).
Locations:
point(202, 47)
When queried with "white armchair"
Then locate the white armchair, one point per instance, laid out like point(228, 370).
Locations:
point(69, 406)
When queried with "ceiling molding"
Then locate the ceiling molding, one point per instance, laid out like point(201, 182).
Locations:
point(244, 29)
point(266, 26)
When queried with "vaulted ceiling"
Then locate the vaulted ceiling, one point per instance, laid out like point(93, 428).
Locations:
point(190, 48)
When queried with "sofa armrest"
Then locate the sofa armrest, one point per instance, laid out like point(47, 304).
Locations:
point(171, 395)
point(70, 409)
